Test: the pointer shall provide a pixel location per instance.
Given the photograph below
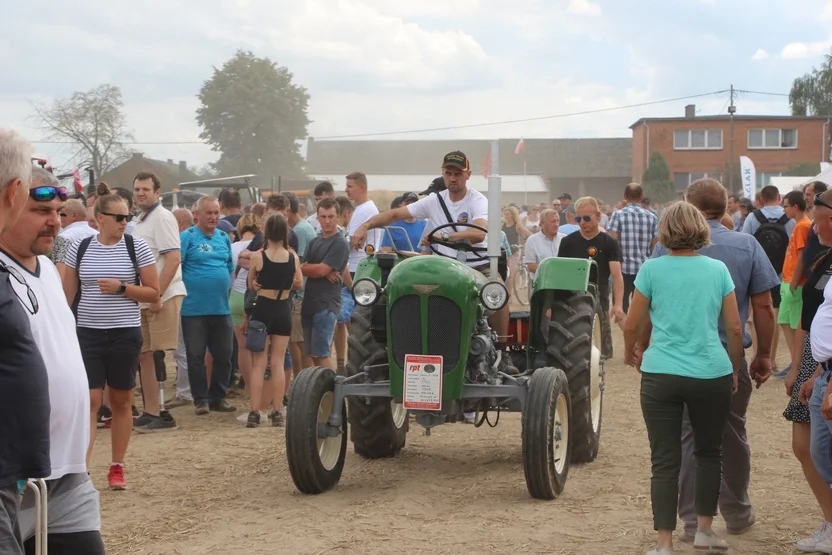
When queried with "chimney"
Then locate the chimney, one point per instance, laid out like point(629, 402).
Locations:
point(137, 155)
point(690, 111)
point(183, 168)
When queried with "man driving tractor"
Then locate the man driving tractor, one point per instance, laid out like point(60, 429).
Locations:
point(456, 204)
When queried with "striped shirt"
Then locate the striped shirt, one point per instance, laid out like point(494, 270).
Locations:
point(636, 229)
point(97, 310)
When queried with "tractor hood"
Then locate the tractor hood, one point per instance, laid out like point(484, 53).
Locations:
point(435, 275)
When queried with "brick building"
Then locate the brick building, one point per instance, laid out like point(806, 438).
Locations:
point(169, 172)
point(701, 146)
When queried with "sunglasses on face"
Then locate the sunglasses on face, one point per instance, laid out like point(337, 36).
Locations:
point(47, 193)
point(119, 217)
point(580, 219)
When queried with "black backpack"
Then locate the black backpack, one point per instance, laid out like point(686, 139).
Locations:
point(82, 248)
point(774, 239)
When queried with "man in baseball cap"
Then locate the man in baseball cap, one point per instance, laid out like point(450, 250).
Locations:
point(436, 186)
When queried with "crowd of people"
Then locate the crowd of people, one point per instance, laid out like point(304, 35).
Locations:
point(97, 290)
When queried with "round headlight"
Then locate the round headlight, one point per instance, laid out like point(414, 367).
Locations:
point(494, 295)
point(365, 292)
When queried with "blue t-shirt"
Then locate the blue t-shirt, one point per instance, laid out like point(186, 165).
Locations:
point(685, 294)
point(206, 270)
point(414, 231)
point(569, 229)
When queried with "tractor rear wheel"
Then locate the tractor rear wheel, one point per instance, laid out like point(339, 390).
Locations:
point(378, 425)
point(574, 345)
point(546, 431)
point(315, 463)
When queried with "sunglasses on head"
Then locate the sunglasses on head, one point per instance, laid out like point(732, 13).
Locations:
point(47, 193)
point(580, 219)
point(119, 217)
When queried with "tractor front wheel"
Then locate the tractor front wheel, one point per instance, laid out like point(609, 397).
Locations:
point(315, 462)
point(378, 425)
point(546, 445)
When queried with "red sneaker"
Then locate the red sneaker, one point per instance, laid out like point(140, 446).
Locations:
point(116, 477)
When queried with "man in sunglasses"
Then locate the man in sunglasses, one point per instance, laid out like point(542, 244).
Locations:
point(74, 520)
point(74, 228)
point(24, 385)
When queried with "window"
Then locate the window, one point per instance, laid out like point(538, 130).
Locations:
point(772, 138)
point(682, 180)
point(697, 139)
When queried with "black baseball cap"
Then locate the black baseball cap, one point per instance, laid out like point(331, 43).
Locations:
point(565, 195)
point(409, 197)
point(456, 159)
point(435, 186)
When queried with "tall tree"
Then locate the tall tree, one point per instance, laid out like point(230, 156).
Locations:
point(803, 169)
point(93, 123)
point(811, 94)
point(656, 180)
point(254, 115)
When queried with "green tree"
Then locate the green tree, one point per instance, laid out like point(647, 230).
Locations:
point(92, 123)
point(254, 115)
point(656, 181)
point(811, 94)
point(803, 169)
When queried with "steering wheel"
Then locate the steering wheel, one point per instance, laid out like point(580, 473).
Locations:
point(464, 246)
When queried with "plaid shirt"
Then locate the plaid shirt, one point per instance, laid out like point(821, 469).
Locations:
point(636, 229)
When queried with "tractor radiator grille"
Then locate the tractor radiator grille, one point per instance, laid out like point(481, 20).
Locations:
point(406, 328)
point(444, 325)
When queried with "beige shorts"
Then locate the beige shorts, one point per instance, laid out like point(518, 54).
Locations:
point(297, 327)
point(160, 330)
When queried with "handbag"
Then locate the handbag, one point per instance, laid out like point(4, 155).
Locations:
point(256, 335)
point(249, 301)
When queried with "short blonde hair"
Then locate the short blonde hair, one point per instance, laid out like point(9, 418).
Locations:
point(683, 227)
point(249, 222)
point(587, 201)
point(359, 177)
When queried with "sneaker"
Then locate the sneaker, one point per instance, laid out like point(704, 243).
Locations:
point(105, 417)
point(135, 412)
point(116, 477)
point(157, 424)
point(661, 551)
point(709, 542)
point(177, 401)
point(143, 420)
point(222, 406)
point(243, 418)
point(202, 408)
point(277, 419)
point(253, 420)
point(810, 544)
point(743, 528)
point(782, 373)
point(824, 546)
point(285, 400)
point(686, 537)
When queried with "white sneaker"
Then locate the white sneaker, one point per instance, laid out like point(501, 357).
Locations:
point(661, 551)
point(810, 544)
point(709, 542)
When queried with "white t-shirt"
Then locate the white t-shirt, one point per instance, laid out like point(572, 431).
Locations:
point(538, 248)
point(820, 334)
point(53, 327)
point(240, 283)
point(473, 206)
point(160, 231)
point(362, 213)
point(97, 310)
point(312, 219)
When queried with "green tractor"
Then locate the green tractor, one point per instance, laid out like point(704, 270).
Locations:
point(420, 345)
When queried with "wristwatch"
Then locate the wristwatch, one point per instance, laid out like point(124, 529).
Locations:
point(123, 287)
point(445, 234)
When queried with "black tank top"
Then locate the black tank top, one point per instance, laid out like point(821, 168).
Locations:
point(512, 235)
point(277, 275)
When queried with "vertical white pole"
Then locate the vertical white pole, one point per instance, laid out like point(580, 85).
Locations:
point(494, 208)
point(525, 185)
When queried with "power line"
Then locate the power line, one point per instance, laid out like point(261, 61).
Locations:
point(466, 126)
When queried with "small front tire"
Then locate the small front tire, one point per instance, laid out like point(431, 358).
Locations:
point(545, 435)
point(314, 463)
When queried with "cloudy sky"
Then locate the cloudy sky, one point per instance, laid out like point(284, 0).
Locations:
point(393, 65)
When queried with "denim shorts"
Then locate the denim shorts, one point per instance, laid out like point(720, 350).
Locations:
point(318, 331)
point(347, 306)
point(821, 434)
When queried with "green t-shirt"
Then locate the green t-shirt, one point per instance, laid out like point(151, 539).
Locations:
point(685, 294)
point(305, 233)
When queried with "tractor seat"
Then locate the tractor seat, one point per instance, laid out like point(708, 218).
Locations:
point(409, 254)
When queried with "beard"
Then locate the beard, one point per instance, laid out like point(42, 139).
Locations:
point(43, 242)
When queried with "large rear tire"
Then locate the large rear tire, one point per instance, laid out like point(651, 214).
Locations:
point(574, 345)
point(546, 430)
point(378, 425)
point(314, 463)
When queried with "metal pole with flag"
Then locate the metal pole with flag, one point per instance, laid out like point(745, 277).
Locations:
point(517, 150)
point(749, 177)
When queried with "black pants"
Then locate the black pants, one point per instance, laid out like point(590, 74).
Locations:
point(663, 400)
point(629, 289)
point(214, 334)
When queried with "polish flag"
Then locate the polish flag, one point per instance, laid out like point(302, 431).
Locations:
point(76, 180)
point(520, 147)
point(486, 166)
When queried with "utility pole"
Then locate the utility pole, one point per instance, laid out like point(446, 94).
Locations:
point(731, 110)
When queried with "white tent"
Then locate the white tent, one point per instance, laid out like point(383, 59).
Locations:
point(786, 184)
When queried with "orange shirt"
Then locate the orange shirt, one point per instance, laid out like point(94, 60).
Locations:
point(797, 243)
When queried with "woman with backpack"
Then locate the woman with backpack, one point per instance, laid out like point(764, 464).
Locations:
point(107, 276)
point(274, 272)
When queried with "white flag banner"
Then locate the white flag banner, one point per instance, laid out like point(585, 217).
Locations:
point(749, 177)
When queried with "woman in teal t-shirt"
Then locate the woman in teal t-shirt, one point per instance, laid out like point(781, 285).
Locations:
point(686, 366)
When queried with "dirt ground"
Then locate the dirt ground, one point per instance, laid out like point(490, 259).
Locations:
point(213, 486)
